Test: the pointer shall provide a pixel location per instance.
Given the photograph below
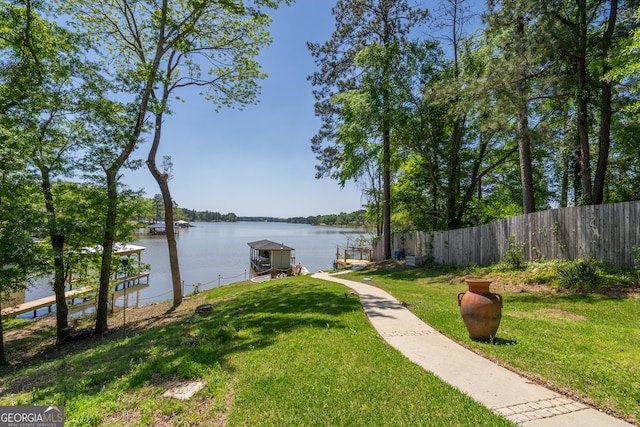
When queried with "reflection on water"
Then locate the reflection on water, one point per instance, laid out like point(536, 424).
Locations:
point(215, 254)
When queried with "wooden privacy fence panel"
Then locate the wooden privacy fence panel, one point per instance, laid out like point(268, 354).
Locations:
point(604, 232)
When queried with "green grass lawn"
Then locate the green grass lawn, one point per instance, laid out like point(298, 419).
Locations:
point(289, 352)
point(583, 344)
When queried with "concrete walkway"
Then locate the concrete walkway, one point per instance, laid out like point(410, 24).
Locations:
point(505, 392)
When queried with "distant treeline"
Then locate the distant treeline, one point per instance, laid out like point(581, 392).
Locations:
point(190, 215)
point(353, 219)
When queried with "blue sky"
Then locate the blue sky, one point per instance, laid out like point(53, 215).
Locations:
point(258, 161)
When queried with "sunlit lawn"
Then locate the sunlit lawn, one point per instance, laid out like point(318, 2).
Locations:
point(290, 352)
point(583, 343)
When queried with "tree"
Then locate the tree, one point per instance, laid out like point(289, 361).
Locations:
point(48, 121)
point(606, 101)
point(456, 117)
point(20, 218)
point(550, 58)
point(627, 69)
point(525, 55)
point(20, 255)
point(624, 73)
point(157, 205)
point(591, 34)
point(156, 48)
point(359, 24)
point(55, 136)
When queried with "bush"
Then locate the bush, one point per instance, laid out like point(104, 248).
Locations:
point(636, 262)
point(513, 257)
point(579, 273)
point(543, 272)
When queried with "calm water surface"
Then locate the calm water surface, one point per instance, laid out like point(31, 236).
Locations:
point(216, 253)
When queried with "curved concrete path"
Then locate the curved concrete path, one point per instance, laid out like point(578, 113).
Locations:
point(505, 392)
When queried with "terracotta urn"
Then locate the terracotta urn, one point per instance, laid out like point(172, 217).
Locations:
point(481, 310)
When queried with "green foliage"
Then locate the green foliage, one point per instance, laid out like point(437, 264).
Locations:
point(352, 219)
point(583, 273)
point(88, 419)
point(196, 289)
point(627, 66)
point(636, 261)
point(193, 215)
point(564, 275)
point(513, 257)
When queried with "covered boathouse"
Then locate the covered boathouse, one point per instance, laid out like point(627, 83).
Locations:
point(271, 257)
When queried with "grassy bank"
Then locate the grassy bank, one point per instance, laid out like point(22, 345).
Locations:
point(290, 352)
point(583, 344)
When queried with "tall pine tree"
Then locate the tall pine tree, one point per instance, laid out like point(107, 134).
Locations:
point(359, 24)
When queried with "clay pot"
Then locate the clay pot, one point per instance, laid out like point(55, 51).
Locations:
point(481, 310)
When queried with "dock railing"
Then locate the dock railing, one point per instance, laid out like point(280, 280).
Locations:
point(348, 255)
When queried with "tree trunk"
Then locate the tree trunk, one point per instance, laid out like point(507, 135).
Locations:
point(604, 140)
point(171, 241)
point(163, 182)
point(62, 310)
point(3, 357)
point(373, 200)
point(57, 247)
point(564, 184)
point(453, 181)
point(107, 252)
point(524, 150)
point(475, 177)
point(386, 192)
point(582, 103)
point(577, 185)
point(524, 134)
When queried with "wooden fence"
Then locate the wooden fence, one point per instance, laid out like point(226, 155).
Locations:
point(604, 232)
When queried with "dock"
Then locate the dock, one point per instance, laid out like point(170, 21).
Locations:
point(49, 301)
point(126, 275)
point(267, 257)
point(355, 264)
point(356, 257)
point(129, 281)
point(84, 292)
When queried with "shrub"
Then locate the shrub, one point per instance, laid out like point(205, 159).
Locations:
point(584, 272)
point(636, 262)
point(543, 272)
point(513, 257)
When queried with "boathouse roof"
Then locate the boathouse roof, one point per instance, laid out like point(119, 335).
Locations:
point(268, 245)
point(119, 249)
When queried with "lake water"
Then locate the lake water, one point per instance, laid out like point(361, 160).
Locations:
point(216, 253)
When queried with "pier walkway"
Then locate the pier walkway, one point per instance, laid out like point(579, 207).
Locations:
point(82, 292)
point(44, 302)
